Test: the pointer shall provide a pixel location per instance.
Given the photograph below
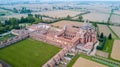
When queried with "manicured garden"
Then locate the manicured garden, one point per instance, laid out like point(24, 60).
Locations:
point(28, 53)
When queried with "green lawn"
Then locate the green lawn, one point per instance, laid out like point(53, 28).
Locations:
point(108, 45)
point(28, 53)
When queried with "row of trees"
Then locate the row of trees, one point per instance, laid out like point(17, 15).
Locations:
point(13, 23)
point(22, 10)
point(102, 39)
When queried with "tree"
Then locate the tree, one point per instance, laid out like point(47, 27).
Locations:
point(30, 19)
point(23, 20)
point(68, 17)
point(110, 36)
point(15, 10)
point(101, 35)
point(80, 18)
point(94, 24)
point(30, 15)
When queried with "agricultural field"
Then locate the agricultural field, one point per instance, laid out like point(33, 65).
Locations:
point(117, 12)
point(47, 19)
point(106, 31)
point(115, 50)
point(28, 6)
point(4, 12)
point(116, 30)
point(75, 18)
point(115, 19)
point(97, 17)
point(28, 53)
point(59, 13)
point(61, 24)
point(18, 16)
point(82, 62)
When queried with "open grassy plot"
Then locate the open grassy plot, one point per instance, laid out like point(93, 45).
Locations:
point(108, 46)
point(28, 53)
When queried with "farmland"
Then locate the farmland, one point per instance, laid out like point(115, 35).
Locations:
point(106, 31)
point(47, 19)
point(105, 16)
point(117, 12)
point(28, 53)
point(115, 50)
point(116, 30)
point(61, 24)
point(18, 16)
point(59, 13)
point(82, 62)
point(115, 19)
point(97, 17)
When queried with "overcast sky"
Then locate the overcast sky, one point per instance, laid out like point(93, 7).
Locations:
point(2, 1)
point(59, 0)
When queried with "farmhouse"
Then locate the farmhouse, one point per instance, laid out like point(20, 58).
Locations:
point(83, 36)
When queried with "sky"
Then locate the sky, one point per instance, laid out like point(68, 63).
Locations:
point(59, 0)
point(8, 1)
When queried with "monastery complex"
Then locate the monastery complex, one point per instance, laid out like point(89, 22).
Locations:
point(83, 37)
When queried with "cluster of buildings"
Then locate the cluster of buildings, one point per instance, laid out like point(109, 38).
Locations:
point(82, 37)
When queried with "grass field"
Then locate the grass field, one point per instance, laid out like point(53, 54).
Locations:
point(28, 53)
point(108, 46)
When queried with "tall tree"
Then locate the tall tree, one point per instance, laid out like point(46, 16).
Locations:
point(80, 18)
point(68, 17)
point(110, 36)
point(101, 35)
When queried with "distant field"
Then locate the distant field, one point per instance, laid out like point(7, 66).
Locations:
point(61, 24)
point(82, 62)
point(115, 19)
point(35, 7)
point(59, 13)
point(106, 31)
point(115, 50)
point(117, 12)
point(15, 16)
point(97, 17)
point(116, 30)
point(47, 19)
point(28, 53)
